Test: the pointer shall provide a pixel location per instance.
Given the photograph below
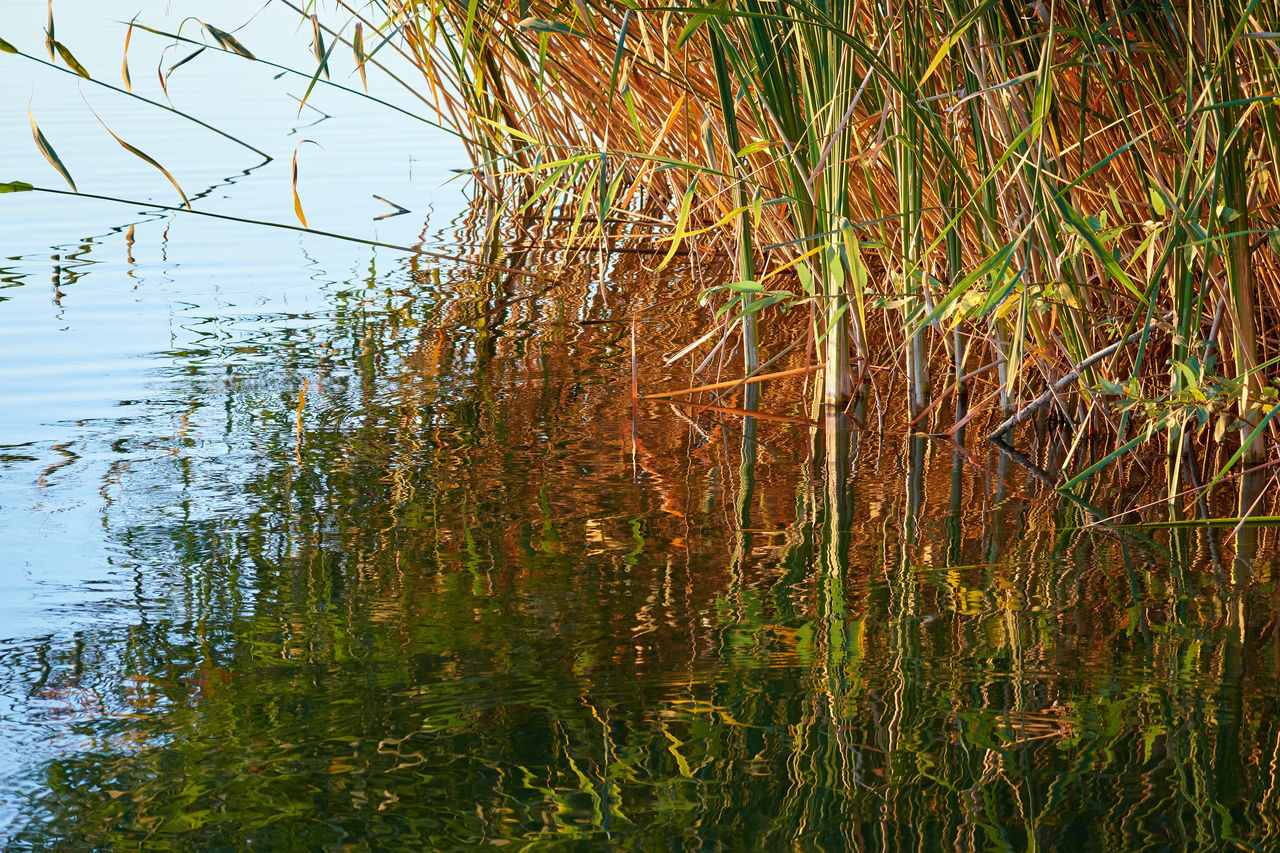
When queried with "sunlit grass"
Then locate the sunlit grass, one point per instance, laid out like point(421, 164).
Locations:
point(1065, 207)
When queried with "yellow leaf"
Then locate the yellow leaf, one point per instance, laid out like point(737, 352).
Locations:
point(297, 202)
point(72, 62)
point(682, 223)
point(124, 59)
point(357, 44)
point(142, 156)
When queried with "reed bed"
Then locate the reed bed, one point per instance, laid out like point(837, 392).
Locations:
point(1077, 197)
point(1070, 202)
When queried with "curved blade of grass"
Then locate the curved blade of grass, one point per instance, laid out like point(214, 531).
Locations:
point(682, 222)
point(617, 55)
point(1102, 463)
point(695, 23)
point(297, 202)
point(1247, 521)
point(72, 62)
point(228, 41)
point(183, 61)
point(163, 76)
point(47, 150)
point(317, 45)
point(149, 101)
point(323, 66)
point(391, 33)
point(142, 155)
point(124, 59)
point(48, 33)
point(357, 45)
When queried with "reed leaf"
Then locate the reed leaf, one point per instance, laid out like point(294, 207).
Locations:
point(317, 45)
point(227, 41)
point(357, 46)
point(142, 156)
point(47, 150)
point(124, 59)
point(71, 61)
point(293, 182)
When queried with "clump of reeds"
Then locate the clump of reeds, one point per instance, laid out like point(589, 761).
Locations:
point(1063, 191)
point(1066, 205)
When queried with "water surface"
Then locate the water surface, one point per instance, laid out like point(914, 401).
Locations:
point(312, 545)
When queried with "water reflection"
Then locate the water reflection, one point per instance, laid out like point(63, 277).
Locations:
point(344, 549)
point(410, 571)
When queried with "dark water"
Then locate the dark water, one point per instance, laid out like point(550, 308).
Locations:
point(313, 547)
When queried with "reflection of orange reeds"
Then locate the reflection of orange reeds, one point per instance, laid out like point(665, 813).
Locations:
point(733, 383)
point(746, 413)
point(668, 493)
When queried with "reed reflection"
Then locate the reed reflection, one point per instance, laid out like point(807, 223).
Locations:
point(463, 589)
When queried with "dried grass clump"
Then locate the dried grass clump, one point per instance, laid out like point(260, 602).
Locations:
point(1064, 205)
point(1019, 188)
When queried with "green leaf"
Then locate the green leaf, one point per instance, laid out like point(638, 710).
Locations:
point(1107, 258)
point(1157, 201)
point(181, 62)
point(5, 47)
point(617, 56)
point(696, 20)
point(323, 67)
point(47, 150)
point(682, 222)
point(756, 147)
point(228, 41)
point(997, 263)
point(1106, 386)
point(1106, 460)
point(1041, 106)
point(357, 45)
point(317, 44)
point(72, 62)
point(16, 187)
point(954, 36)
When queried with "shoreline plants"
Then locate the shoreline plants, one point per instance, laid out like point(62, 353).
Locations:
point(1064, 207)
point(1075, 196)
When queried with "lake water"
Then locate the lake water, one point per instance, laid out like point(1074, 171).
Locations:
point(315, 545)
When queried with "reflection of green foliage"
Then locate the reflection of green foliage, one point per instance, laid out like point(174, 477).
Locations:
point(442, 620)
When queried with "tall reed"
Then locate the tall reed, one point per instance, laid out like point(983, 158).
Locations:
point(1068, 206)
point(1037, 185)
